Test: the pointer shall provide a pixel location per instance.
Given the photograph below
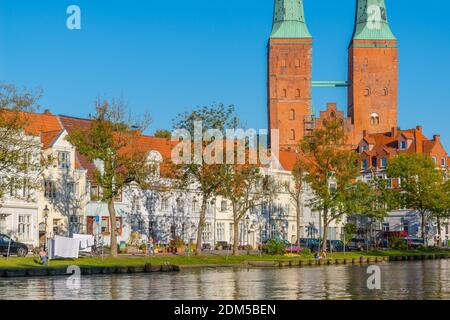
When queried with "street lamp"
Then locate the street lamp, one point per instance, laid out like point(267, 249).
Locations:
point(247, 223)
point(46, 212)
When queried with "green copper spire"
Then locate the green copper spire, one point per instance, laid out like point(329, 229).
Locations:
point(371, 21)
point(289, 20)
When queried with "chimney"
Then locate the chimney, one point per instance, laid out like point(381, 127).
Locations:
point(47, 111)
point(419, 128)
point(331, 106)
point(437, 137)
point(394, 132)
point(364, 133)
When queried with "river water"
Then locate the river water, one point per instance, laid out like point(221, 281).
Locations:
point(399, 280)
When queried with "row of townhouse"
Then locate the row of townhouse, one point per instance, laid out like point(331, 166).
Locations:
point(375, 150)
point(69, 200)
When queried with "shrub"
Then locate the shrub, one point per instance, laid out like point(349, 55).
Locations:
point(275, 247)
point(397, 243)
point(306, 252)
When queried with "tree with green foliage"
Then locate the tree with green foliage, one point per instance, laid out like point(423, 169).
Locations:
point(111, 141)
point(440, 209)
point(350, 232)
point(165, 134)
point(20, 161)
point(420, 182)
point(247, 189)
point(331, 171)
point(205, 175)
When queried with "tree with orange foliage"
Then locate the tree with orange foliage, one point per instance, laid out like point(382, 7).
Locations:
point(112, 140)
point(248, 188)
point(331, 171)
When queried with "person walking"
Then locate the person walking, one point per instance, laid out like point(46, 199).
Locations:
point(150, 246)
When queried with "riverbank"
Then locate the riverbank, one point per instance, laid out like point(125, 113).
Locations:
point(20, 267)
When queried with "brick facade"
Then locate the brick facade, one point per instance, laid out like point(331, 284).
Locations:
point(289, 88)
point(373, 90)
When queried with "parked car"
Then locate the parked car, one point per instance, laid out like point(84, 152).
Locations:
point(356, 244)
point(312, 244)
point(414, 243)
point(336, 246)
point(15, 248)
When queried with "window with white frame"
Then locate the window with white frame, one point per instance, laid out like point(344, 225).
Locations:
point(206, 233)
point(180, 205)
point(50, 189)
point(24, 226)
point(63, 160)
point(3, 223)
point(70, 188)
point(220, 231)
point(443, 162)
point(164, 204)
point(223, 205)
point(135, 204)
point(403, 145)
point(150, 203)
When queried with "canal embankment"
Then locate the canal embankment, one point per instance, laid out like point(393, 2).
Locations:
point(29, 267)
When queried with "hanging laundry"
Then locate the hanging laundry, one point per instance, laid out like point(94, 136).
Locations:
point(62, 247)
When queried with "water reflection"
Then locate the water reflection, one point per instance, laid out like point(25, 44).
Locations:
point(412, 280)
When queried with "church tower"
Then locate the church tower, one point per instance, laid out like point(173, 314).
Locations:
point(289, 72)
point(373, 71)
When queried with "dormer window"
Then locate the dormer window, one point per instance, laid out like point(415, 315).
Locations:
point(364, 164)
point(154, 162)
point(63, 160)
point(403, 145)
point(364, 147)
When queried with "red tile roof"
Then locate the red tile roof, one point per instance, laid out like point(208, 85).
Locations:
point(49, 137)
point(389, 142)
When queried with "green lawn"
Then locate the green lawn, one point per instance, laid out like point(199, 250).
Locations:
point(30, 262)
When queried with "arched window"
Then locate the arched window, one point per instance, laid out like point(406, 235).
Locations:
point(332, 115)
point(385, 91)
point(297, 63)
point(367, 92)
point(292, 134)
point(284, 93)
point(283, 63)
point(292, 114)
point(297, 93)
point(374, 119)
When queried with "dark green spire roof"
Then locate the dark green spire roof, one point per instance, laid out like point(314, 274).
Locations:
point(289, 20)
point(371, 21)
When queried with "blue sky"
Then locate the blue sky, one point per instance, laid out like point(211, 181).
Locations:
point(167, 57)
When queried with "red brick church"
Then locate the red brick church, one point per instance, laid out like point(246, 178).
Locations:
point(372, 86)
